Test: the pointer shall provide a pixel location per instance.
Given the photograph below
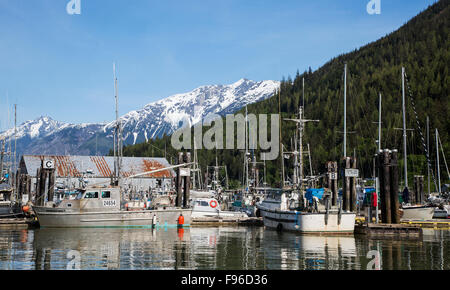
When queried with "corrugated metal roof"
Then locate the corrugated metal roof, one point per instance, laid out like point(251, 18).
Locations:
point(100, 166)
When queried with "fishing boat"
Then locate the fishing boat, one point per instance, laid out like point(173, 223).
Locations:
point(105, 206)
point(102, 207)
point(300, 210)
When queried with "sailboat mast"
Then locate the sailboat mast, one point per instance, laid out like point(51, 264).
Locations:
point(281, 140)
point(437, 161)
point(345, 111)
point(300, 140)
point(404, 128)
point(15, 152)
point(428, 154)
point(379, 125)
point(118, 130)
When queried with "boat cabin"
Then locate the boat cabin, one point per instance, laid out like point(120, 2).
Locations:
point(94, 199)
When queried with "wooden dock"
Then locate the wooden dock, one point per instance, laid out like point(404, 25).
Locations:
point(218, 221)
point(389, 231)
point(16, 223)
point(436, 224)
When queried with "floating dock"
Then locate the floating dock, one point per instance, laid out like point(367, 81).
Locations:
point(389, 230)
point(225, 221)
point(433, 224)
point(17, 223)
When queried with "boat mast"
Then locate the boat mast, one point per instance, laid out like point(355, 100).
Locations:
point(15, 152)
point(404, 128)
point(428, 150)
point(379, 125)
point(345, 110)
point(281, 141)
point(437, 161)
point(118, 136)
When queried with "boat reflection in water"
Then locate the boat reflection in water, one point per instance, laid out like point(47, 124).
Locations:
point(221, 248)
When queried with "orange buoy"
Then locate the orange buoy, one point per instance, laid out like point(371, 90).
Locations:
point(26, 208)
point(181, 220)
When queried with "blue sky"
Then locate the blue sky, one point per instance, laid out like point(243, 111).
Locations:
point(60, 65)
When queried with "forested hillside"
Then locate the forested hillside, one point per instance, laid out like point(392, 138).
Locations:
point(422, 46)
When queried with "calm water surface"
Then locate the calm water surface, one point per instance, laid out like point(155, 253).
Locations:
point(214, 248)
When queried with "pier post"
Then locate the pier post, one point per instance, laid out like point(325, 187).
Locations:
point(353, 195)
point(332, 181)
point(51, 184)
point(179, 181)
point(385, 188)
point(187, 183)
point(346, 186)
point(395, 203)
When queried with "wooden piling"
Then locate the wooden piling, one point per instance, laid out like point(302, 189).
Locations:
point(346, 186)
point(179, 181)
point(51, 184)
point(386, 186)
point(353, 195)
point(187, 183)
point(332, 181)
point(395, 203)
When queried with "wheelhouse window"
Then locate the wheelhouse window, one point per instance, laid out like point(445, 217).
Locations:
point(106, 194)
point(91, 195)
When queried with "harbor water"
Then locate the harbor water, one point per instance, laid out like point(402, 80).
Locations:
point(208, 248)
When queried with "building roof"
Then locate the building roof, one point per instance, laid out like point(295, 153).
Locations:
point(97, 166)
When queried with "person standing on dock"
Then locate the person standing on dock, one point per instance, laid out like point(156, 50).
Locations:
point(405, 195)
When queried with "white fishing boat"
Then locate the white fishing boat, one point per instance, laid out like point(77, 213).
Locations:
point(105, 206)
point(102, 207)
point(304, 211)
point(315, 217)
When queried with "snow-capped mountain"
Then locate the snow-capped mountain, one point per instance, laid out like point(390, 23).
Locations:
point(47, 136)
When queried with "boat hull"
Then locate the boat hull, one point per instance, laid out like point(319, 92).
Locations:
point(418, 213)
point(309, 222)
point(165, 218)
point(442, 213)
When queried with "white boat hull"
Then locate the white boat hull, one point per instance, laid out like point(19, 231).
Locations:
point(442, 213)
point(418, 213)
point(309, 222)
point(116, 218)
point(222, 214)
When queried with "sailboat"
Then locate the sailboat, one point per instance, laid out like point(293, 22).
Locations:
point(103, 206)
point(411, 212)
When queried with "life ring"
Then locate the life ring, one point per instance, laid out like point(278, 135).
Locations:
point(213, 203)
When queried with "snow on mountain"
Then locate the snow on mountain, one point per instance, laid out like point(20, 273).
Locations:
point(165, 116)
point(47, 136)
